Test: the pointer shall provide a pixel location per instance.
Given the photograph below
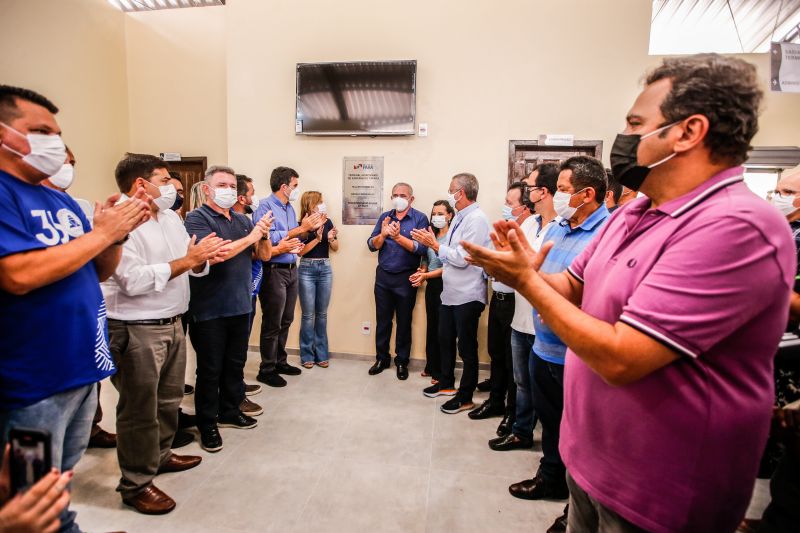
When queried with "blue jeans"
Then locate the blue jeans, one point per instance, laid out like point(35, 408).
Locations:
point(316, 279)
point(68, 417)
point(522, 360)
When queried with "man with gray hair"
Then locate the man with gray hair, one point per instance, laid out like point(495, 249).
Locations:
point(220, 305)
point(464, 293)
point(398, 259)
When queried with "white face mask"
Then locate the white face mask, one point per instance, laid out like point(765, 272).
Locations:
point(254, 201)
point(508, 213)
point(47, 151)
point(438, 221)
point(785, 204)
point(167, 198)
point(224, 197)
point(322, 209)
point(561, 204)
point(294, 194)
point(64, 177)
point(451, 199)
point(400, 204)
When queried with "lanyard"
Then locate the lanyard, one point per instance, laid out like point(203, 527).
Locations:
point(452, 233)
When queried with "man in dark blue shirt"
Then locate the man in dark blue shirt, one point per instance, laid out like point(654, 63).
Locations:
point(278, 292)
point(398, 258)
point(219, 308)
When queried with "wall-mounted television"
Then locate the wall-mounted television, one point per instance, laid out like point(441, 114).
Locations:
point(356, 98)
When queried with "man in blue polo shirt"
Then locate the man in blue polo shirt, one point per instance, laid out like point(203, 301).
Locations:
point(278, 292)
point(51, 262)
point(579, 202)
point(398, 258)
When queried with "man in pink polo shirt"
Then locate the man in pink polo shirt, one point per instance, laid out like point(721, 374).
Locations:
point(672, 315)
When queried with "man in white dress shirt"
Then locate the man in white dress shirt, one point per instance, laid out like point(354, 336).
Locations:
point(146, 297)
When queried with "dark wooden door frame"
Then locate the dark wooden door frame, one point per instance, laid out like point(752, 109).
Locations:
point(579, 147)
point(187, 187)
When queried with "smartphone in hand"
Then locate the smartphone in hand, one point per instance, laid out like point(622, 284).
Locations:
point(30, 457)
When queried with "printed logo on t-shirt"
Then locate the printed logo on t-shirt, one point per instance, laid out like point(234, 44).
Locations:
point(102, 355)
point(59, 230)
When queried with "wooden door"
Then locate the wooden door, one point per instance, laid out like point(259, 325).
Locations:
point(524, 156)
point(191, 170)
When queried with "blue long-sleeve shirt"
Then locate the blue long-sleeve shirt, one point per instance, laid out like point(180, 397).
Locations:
point(285, 220)
point(392, 257)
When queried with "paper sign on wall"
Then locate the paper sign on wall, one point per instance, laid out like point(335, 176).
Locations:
point(785, 63)
point(170, 156)
point(559, 140)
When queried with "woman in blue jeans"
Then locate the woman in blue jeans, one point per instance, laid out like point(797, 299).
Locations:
point(316, 280)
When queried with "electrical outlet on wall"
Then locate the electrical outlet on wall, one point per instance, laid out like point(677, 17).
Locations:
point(366, 327)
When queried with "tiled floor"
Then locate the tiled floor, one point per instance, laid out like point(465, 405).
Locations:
point(335, 451)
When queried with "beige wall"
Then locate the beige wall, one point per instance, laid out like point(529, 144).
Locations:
point(177, 82)
point(73, 52)
point(488, 72)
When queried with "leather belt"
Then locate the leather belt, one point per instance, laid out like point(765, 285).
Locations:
point(152, 322)
point(504, 295)
point(283, 265)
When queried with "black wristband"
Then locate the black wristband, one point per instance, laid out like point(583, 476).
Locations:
point(123, 240)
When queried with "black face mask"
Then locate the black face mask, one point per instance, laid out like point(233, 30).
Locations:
point(624, 164)
point(624, 161)
point(177, 203)
point(248, 210)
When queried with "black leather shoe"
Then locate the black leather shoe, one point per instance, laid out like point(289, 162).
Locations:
point(273, 380)
point(560, 525)
point(539, 488)
point(402, 372)
point(181, 439)
point(210, 439)
point(510, 442)
point(504, 429)
point(377, 368)
point(186, 421)
point(287, 370)
point(486, 410)
point(485, 385)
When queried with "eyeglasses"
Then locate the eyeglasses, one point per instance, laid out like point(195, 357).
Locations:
point(781, 194)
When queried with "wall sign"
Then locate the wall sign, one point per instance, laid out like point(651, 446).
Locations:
point(362, 190)
point(785, 62)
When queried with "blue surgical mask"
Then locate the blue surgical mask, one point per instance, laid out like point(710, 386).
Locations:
point(508, 213)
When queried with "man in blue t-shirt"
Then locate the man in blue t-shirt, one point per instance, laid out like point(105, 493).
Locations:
point(51, 262)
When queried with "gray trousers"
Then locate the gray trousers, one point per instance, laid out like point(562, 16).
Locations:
point(151, 362)
point(587, 515)
point(278, 297)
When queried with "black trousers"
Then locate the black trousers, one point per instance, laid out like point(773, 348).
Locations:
point(458, 325)
point(501, 314)
point(278, 295)
point(433, 300)
point(394, 298)
point(221, 346)
point(548, 399)
point(783, 514)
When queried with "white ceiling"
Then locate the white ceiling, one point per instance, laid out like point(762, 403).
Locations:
point(152, 5)
point(722, 26)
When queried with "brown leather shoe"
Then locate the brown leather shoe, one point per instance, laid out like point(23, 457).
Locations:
point(151, 501)
point(103, 439)
point(250, 408)
point(179, 463)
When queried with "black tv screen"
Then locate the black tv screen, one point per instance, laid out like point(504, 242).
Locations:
point(356, 98)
